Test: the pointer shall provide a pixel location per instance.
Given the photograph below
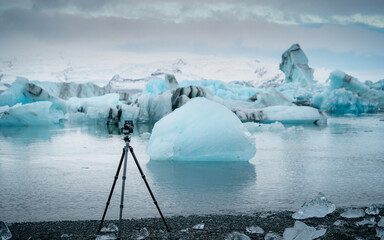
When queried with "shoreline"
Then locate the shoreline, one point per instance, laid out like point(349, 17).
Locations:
point(215, 227)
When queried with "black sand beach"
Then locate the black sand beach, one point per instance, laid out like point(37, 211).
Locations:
point(215, 227)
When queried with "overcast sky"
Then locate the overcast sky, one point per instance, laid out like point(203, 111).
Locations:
point(337, 34)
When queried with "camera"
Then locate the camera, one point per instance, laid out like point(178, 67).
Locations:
point(128, 127)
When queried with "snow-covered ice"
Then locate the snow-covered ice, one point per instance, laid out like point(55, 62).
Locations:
point(237, 236)
point(201, 130)
point(318, 207)
point(301, 231)
point(353, 213)
point(254, 229)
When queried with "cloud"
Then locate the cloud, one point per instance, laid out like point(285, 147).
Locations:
point(248, 27)
point(299, 12)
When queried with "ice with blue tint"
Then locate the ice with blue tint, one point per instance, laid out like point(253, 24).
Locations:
point(201, 130)
point(302, 231)
point(30, 114)
point(318, 207)
point(14, 94)
point(294, 64)
point(346, 94)
point(224, 90)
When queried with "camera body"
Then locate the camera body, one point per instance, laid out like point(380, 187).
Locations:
point(128, 127)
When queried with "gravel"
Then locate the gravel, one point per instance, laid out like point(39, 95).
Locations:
point(215, 227)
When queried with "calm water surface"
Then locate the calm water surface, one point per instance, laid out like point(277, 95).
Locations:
point(66, 173)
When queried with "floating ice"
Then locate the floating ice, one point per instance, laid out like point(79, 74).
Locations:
point(285, 114)
point(201, 130)
point(237, 236)
point(5, 234)
point(254, 229)
point(366, 221)
point(199, 226)
point(353, 213)
point(340, 223)
point(223, 90)
point(272, 236)
point(31, 114)
point(301, 231)
point(270, 97)
point(381, 222)
point(142, 234)
point(372, 210)
point(318, 207)
point(294, 64)
point(349, 95)
point(170, 82)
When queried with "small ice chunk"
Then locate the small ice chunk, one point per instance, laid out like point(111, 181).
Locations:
point(65, 235)
point(5, 233)
point(318, 207)
point(185, 230)
point(372, 210)
point(272, 236)
point(110, 236)
point(110, 228)
point(366, 221)
point(199, 226)
point(302, 231)
point(353, 213)
point(381, 222)
point(380, 233)
point(340, 223)
point(142, 234)
point(237, 236)
point(255, 229)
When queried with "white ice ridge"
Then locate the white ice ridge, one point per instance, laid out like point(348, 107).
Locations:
point(318, 207)
point(301, 231)
point(201, 130)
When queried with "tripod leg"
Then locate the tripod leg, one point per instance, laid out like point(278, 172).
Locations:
point(122, 191)
point(112, 189)
point(149, 189)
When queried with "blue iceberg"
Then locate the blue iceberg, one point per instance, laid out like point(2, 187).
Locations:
point(201, 130)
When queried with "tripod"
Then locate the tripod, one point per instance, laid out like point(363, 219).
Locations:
point(124, 157)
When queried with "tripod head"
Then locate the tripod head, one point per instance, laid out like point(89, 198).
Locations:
point(127, 129)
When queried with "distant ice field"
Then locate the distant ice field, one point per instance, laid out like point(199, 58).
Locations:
point(65, 173)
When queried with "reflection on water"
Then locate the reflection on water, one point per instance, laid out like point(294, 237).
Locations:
point(200, 188)
point(203, 177)
point(65, 172)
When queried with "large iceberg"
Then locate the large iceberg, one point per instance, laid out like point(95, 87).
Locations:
point(201, 130)
point(30, 114)
point(294, 64)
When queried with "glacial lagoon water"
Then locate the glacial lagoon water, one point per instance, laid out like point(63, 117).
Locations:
point(65, 173)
